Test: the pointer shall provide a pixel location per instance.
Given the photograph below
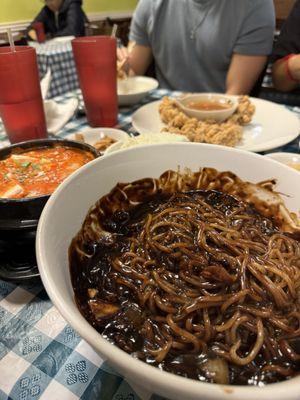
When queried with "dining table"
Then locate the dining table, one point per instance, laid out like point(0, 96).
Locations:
point(41, 356)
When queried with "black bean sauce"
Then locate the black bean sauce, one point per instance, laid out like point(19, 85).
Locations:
point(114, 308)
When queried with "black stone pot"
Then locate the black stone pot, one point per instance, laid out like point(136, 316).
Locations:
point(23, 214)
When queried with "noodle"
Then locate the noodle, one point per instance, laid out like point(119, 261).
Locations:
point(200, 280)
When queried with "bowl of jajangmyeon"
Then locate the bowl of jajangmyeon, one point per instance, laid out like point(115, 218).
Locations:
point(182, 269)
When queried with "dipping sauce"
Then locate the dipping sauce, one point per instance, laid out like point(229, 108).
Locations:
point(209, 105)
point(38, 172)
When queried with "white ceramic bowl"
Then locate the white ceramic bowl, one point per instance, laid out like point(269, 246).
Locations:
point(286, 158)
point(66, 209)
point(133, 89)
point(217, 115)
point(93, 135)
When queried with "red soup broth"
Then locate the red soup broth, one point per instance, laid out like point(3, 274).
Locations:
point(39, 172)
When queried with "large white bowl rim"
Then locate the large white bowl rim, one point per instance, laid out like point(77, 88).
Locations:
point(57, 281)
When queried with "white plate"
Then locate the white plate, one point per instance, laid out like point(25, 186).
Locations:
point(272, 125)
point(93, 135)
point(145, 140)
point(285, 158)
point(133, 89)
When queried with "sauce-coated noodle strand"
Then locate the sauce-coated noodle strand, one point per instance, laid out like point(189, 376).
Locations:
point(202, 285)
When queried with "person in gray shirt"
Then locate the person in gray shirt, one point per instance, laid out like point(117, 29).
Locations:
point(202, 45)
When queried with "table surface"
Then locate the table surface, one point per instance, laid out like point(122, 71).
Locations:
point(41, 356)
point(79, 122)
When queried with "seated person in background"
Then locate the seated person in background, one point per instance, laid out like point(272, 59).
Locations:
point(61, 18)
point(202, 45)
point(286, 54)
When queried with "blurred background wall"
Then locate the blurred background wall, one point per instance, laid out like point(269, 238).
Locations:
point(25, 10)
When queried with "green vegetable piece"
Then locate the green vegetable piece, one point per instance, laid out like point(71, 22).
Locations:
point(25, 164)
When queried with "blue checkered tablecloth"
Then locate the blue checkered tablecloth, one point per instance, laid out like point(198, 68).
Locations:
point(41, 356)
point(79, 122)
point(58, 57)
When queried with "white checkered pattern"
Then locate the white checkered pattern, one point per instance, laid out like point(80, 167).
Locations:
point(58, 57)
point(42, 357)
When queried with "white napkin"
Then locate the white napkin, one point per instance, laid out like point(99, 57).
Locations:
point(45, 84)
point(57, 115)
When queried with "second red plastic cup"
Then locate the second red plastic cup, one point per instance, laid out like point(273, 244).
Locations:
point(96, 64)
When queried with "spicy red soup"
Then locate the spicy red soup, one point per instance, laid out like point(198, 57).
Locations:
point(38, 172)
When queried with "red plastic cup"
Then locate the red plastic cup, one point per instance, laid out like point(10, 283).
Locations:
point(40, 32)
point(21, 105)
point(96, 64)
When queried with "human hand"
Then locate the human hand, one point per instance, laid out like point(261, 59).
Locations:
point(123, 61)
point(32, 35)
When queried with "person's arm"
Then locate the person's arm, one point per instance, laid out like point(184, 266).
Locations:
point(136, 61)
point(75, 22)
point(286, 68)
point(253, 44)
point(243, 73)
point(41, 17)
point(286, 73)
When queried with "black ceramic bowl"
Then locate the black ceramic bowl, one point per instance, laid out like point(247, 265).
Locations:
point(23, 214)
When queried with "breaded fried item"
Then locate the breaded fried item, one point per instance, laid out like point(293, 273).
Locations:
point(227, 133)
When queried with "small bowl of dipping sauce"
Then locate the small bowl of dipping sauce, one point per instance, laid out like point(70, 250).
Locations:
point(208, 106)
